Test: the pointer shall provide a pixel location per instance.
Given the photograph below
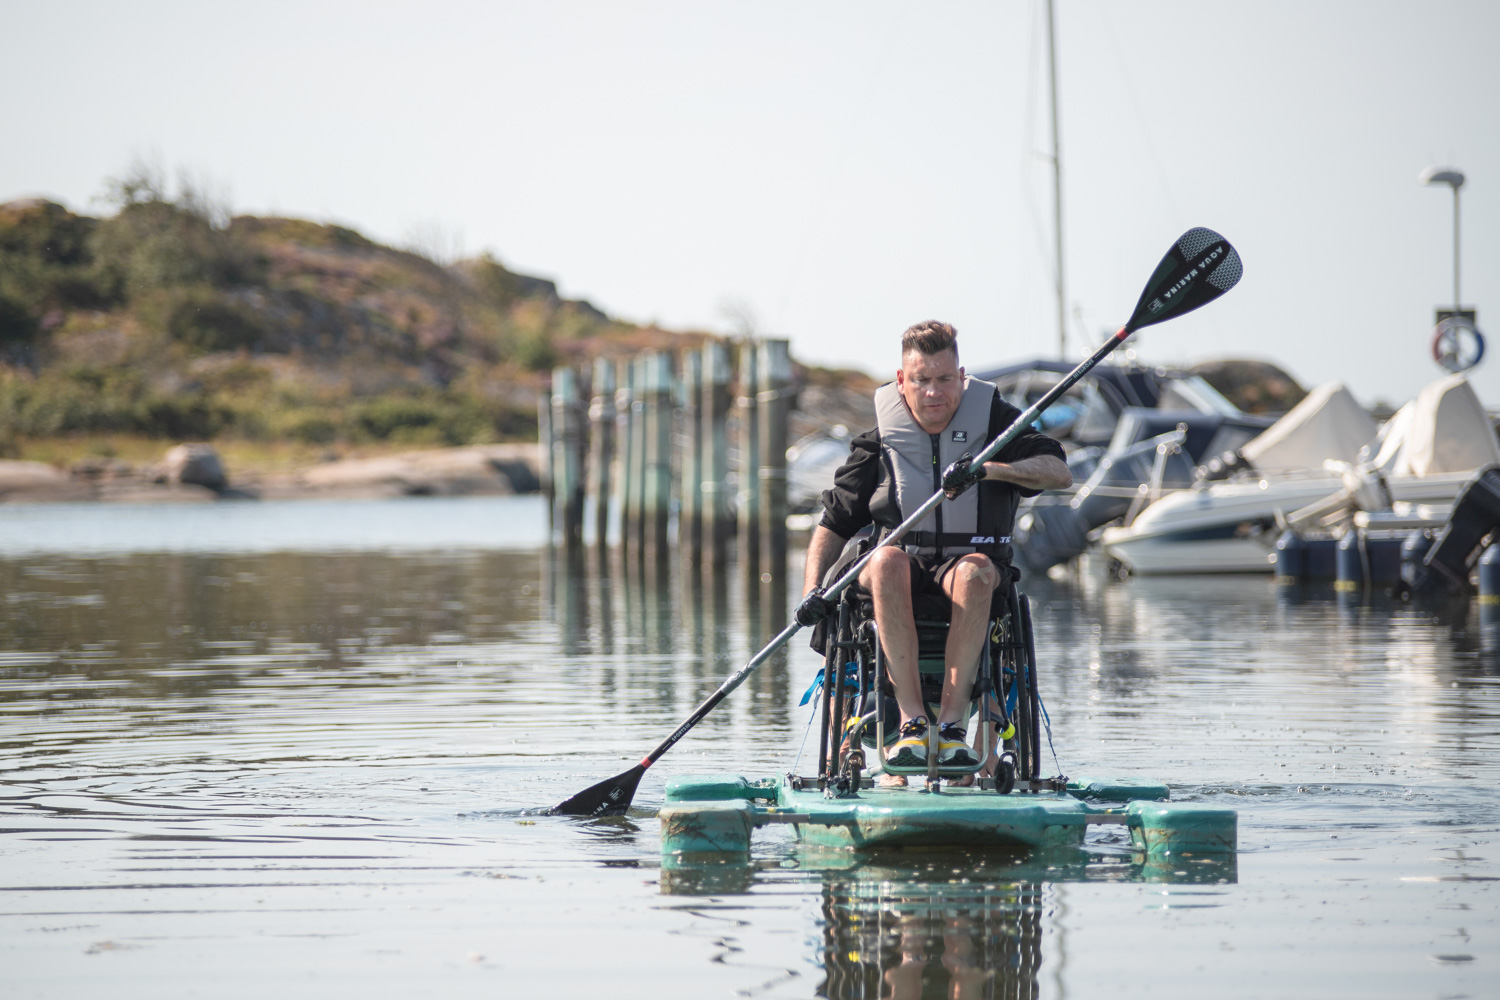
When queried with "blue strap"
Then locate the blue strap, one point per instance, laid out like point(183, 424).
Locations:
point(812, 688)
point(851, 681)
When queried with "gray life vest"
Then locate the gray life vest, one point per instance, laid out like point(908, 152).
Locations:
point(913, 462)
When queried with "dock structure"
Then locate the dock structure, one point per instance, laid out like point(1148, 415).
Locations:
point(676, 448)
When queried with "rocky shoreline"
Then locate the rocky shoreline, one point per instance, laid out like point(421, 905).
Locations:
point(193, 473)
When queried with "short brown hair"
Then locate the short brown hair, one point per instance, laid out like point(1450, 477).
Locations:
point(929, 337)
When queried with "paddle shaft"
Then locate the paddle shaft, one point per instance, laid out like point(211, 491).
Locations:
point(837, 587)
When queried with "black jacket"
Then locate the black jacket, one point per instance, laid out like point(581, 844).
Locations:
point(846, 507)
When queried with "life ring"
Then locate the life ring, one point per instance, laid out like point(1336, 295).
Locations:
point(1457, 344)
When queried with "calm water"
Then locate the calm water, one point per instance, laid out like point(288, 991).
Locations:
point(300, 747)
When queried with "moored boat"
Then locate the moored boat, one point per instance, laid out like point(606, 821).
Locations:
point(1313, 465)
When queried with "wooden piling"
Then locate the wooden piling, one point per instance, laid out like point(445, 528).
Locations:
point(656, 496)
point(717, 512)
point(569, 441)
point(747, 471)
point(690, 489)
point(625, 435)
point(602, 445)
point(773, 408)
point(638, 429)
point(544, 446)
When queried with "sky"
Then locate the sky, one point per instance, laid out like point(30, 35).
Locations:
point(831, 172)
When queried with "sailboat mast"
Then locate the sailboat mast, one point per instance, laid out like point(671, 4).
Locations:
point(1062, 310)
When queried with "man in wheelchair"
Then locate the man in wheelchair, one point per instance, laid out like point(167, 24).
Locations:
point(931, 417)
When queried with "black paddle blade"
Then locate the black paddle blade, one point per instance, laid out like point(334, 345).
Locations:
point(608, 798)
point(1199, 268)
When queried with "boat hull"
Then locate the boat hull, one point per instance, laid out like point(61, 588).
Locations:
point(1232, 527)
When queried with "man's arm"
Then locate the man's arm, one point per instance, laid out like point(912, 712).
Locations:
point(821, 553)
point(846, 509)
point(1039, 472)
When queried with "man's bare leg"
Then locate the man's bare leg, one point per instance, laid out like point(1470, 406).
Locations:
point(970, 585)
point(887, 576)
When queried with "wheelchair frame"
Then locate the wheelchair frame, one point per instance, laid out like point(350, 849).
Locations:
point(1005, 689)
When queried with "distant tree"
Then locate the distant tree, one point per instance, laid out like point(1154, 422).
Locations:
point(740, 316)
point(157, 241)
point(434, 241)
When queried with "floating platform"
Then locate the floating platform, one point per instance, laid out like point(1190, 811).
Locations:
point(718, 813)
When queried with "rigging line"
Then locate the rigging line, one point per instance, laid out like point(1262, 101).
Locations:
point(811, 715)
point(1135, 107)
point(1029, 155)
point(830, 178)
point(1156, 160)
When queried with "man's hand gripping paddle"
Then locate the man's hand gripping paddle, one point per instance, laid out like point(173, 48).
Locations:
point(1199, 268)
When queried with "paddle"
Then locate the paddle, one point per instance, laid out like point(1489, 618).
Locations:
point(1199, 268)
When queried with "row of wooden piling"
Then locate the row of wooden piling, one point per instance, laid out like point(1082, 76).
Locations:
point(673, 451)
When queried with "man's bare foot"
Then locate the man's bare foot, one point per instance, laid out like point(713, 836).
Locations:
point(891, 781)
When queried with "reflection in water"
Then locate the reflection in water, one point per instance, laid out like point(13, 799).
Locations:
point(917, 940)
point(229, 754)
point(904, 925)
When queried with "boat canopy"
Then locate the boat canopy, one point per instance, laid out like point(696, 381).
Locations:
point(1445, 429)
point(1327, 424)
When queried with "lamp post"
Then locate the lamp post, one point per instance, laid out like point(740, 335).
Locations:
point(1454, 179)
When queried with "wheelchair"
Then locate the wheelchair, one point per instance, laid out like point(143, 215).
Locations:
point(859, 718)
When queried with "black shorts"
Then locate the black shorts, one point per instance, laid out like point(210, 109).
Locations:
point(928, 573)
point(927, 576)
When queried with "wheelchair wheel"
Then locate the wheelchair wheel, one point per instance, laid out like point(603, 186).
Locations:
point(1005, 773)
point(1028, 702)
point(841, 759)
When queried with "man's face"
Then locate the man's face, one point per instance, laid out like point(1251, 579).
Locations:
point(932, 385)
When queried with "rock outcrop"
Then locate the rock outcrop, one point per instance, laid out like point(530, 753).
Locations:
point(35, 481)
point(497, 469)
point(193, 465)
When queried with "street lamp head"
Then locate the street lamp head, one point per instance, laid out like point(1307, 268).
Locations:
point(1442, 175)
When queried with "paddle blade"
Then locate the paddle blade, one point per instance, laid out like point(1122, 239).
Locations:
point(608, 798)
point(1199, 268)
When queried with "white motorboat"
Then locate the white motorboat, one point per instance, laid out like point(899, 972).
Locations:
point(1309, 464)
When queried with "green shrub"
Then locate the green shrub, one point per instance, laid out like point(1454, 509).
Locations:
point(309, 426)
point(182, 416)
point(45, 231)
point(16, 321)
point(398, 419)
point(44, 258)
point(211, 323)
point(534, 350)
point(154, 245)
